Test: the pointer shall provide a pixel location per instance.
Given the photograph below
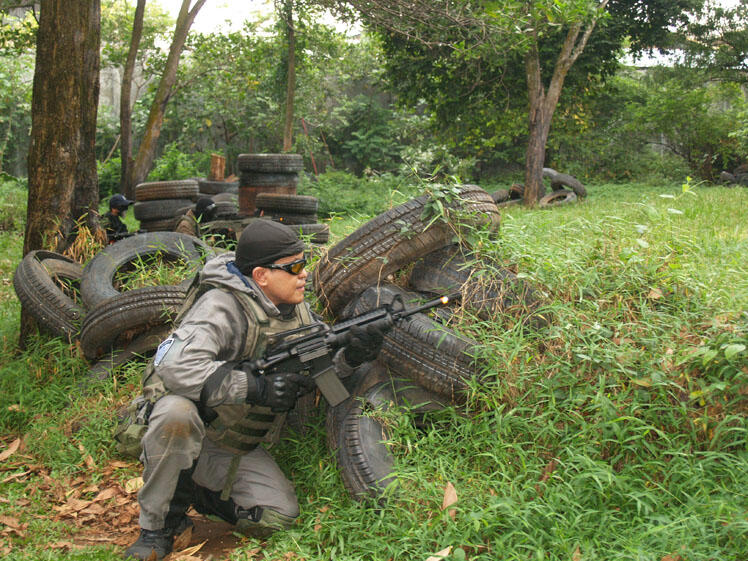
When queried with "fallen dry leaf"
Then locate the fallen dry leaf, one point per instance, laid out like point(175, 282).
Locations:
point(440, 555)
point(10, 521)
point(87, 457)
point(577, 555)
point(10, 450)
point(106, 494)
point(133, 485)
point(450, 498)
point(183, 540)
point(193, 549)
point(655, 294)
point(672, 558)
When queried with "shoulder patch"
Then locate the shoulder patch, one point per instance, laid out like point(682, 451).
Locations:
point(163, 348)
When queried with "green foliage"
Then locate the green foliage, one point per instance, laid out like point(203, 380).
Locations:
point(341, 193)
point(626, 412)
point(716, 41)
point(660, 123)
point(175, 164)
point(13, 198)
point(116, 29)
point(109, 173)
point(17, 38)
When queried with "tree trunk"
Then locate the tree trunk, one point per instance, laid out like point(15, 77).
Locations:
point(147, 148)
point(538, 126)
point(63, 185)
point(543, 102)
point(290, 77)
point(125, 104)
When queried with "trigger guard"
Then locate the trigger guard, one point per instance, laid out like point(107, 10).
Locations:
point(393, 306)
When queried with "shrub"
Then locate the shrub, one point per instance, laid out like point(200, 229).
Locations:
point(109, 173)
point(340, 192)
point(174, 164)
point(13, 198)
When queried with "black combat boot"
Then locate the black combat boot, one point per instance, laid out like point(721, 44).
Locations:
point(149, 542)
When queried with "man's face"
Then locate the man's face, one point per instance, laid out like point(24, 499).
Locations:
point(282, 287)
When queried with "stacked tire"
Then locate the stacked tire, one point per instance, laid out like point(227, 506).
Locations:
point(225, 195)
point(424, 361)
point(160, 204)
point(297, 211)
point(266, 173)
point(88, 305)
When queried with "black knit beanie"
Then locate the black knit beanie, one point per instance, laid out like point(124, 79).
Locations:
point(263, 242)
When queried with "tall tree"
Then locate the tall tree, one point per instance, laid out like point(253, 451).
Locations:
point(63, 186)
point(125, 103)
point(285, 13)
point(149, 142)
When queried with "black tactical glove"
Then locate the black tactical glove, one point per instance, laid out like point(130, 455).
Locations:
point(277, 391)
point(366, 341)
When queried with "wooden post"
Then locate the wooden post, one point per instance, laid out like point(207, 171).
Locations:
point(217, 167)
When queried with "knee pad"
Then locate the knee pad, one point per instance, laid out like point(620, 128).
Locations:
point(260, 522)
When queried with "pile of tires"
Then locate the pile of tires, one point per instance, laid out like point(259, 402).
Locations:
point(565, 189)
point(739, 176)
point(422, 360)
point(88, 306)
point(267, 189)
point(266, 173)
point(160, 204)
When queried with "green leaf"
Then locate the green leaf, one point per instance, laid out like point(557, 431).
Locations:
point(709, 355)
point(733, 349)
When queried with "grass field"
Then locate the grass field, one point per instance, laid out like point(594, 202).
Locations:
point(617, 432)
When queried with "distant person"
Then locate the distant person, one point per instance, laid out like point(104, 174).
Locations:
point(115, 228)
point(205, 211)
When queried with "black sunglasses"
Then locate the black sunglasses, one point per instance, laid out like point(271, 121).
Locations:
point(292, 268)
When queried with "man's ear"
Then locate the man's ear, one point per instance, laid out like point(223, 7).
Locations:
point(260, 276)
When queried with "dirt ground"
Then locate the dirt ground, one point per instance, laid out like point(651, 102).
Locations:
point(101, 513)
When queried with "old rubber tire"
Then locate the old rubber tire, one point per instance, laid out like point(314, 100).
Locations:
point(270, 180)
point(500, 195)
point(452, 268)
point(160, 209)
point(294, 204)
point(165, 225)
point(392, 240)
point(557, 198)
point(208, 187)
point(141, 348)
point(432, 355)
point(226, 208)
point(364, 459)
point(561, 180)
point(155, 190)
point(318, 233)
point(364, 377)
point(36, 283)
point(291, 219)
point(128, 313)
point(270, 163)
point(97, 281)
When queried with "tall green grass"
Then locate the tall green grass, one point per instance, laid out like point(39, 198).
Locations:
point(616, 432)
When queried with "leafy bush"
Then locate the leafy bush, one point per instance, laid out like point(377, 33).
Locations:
point(175, 164)
point(340, 192)
point(13, 197)
point(109, 173)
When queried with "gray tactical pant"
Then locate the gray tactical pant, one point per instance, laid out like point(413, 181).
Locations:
point(175, 439)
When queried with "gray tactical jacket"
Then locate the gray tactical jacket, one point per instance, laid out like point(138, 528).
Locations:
point(220, 329)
